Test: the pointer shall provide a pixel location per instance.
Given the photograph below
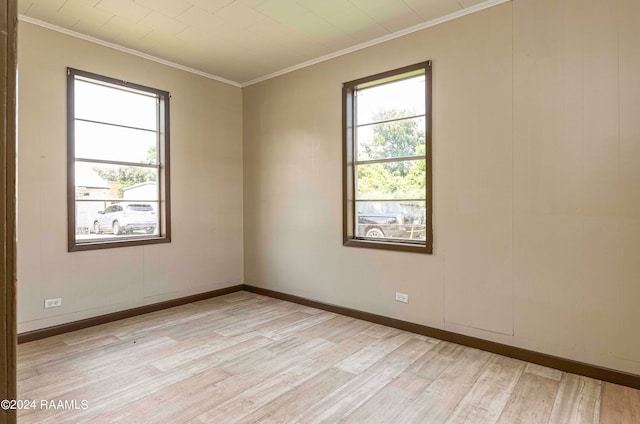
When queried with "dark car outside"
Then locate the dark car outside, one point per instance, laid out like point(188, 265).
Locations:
point(405, 222)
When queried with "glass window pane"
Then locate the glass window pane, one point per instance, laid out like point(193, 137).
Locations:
point(394, 220)
point(106, 142)
point(391, 139)
point(105, 104)
point(392, 100)
point(99, 220)
point(392, 180)
point(115, 182)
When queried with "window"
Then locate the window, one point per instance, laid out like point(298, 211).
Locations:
point(387, 160)
point(117, 163)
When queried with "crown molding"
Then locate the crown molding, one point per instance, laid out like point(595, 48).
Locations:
point(455, 15)
point(118, 47)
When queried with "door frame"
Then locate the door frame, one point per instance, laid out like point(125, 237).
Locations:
point(8, 37)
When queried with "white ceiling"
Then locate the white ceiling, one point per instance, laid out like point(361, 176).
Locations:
point(242, 41)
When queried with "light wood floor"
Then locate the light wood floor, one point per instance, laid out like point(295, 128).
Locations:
point(248, 358)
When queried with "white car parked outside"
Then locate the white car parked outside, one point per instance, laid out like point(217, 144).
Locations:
point(126, 218)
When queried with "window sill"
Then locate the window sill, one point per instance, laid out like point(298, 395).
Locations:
point(388, 245)
point(97, 245)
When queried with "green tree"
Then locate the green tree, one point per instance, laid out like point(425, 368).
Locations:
point(127, 176)
point(398, 138)
point(151, 156)
point(415, 180)
point(395, 139)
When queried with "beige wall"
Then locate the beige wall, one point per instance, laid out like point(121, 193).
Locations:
point(206, 183)
point(536, 182)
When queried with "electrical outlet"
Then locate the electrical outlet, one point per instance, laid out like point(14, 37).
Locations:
point(53, 303)
point(402, 297)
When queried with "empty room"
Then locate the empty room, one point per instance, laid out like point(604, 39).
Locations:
point(303, 211)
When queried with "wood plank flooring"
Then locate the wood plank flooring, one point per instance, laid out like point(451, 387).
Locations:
point(246, 358)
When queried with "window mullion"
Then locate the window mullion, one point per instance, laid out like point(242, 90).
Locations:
point(118, 163)
point(391, 160)
point(419, 199)
point(387, 121)
point(91, 121)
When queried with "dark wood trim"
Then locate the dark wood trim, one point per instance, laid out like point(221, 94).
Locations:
point(166, 172)
point(118, 83)
point(8, 38)
point(71, 163)
point(348, 182)
point(428, 153)
point(164, 178)
point(387, 74)
point(563, 364)
point(384, 245)
point(349, 218)
point(128, 313)
point(80, 247)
